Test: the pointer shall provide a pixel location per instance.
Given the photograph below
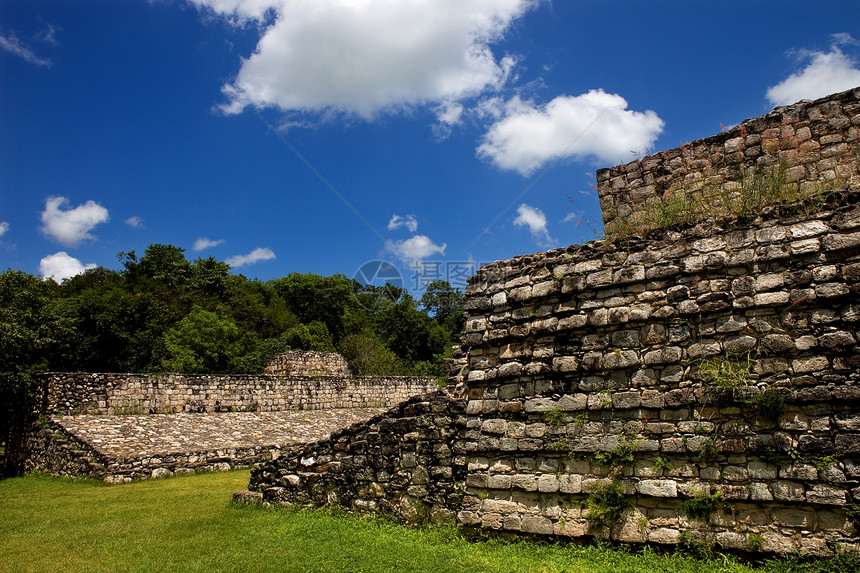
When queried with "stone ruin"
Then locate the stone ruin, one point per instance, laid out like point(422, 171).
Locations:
point(699, 384)
point(123, 427)
point(308, 363)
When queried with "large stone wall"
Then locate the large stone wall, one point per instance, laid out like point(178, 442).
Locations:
point(695, 384)
point(590, 366)
point(83, 393)
point(813, 144)
point(586, 371)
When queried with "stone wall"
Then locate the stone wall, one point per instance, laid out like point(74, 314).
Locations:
point(811, 144)
point(56, 450)
point(714, 369)
point(700, 386)
point(309, 363)
point(408, 462)
point(83, 393)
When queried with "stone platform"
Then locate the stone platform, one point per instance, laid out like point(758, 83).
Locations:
point(119, 449)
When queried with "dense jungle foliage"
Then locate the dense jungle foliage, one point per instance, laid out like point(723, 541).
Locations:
point(163, 313)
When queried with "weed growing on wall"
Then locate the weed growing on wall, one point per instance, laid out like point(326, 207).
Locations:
point(702, 504)
point(742, 198)
point(623, 454)
point(768, 404)
point(606, 504)
point(727, 375)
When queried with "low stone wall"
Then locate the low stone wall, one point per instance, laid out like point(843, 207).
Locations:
point(83, 393)
point(812, 144)
point(56, 450)
point(409, 462)
point(308, 363)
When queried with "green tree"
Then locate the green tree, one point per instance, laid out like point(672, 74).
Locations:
point(314, 297)
point(368, 356)
point(203, 342)
point(409, 333)
point(446, 305)
point(28, 341)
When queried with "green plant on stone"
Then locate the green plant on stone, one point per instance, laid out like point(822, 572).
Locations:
point(708, 452)
point(853, 512)
point(822, 462)
point(624, 453)
point(727, 372)
point(755, 541)
point(560, 445)
point(769, 404)
point(555, 417)
point(606, 504)
point(701, 504)
point(663, 463)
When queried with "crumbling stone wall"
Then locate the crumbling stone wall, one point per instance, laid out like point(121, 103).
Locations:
point(56, 450)
point(408, 462)
point(309, 363)
point(813, 144)
point(76, 393)
point(590, 411)
point(604, 364)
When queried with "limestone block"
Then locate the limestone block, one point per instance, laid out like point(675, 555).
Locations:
point(664, 535)
point(570, 483)
point(826, 494)
point(784, 490)
point(573, 402)
point(658, 488)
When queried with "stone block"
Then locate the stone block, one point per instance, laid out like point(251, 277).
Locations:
point(658, 488)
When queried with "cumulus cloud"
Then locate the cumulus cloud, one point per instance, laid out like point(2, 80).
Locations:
point(204, 243)
point(826, 73)
point(4, 227)
point(255, 256)
point(70, 227)
point(596, 123)
point(449, 114)
point(135, 222)
point(535, 220)
point(60, 266)
point(239, 11)
point(367, 57)
point(13, 45)
point(408, 221)
point(414, 249)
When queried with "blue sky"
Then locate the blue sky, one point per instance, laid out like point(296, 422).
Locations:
point(318, 135)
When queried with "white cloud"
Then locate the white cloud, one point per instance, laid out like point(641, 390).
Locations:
point(204, 243)
point(254, 256)
point(13, 45)
point(135, 222)
point(408, 221)
point(535, 220)
point(61, 266)
point(826, 73)
point(371, 56)
point(414, 249)
point(239, 11)
point(449, 115)
point(595, 123)
point(4, 226)
point(72, 226)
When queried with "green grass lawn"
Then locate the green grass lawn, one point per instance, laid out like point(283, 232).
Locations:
point(189, 524)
